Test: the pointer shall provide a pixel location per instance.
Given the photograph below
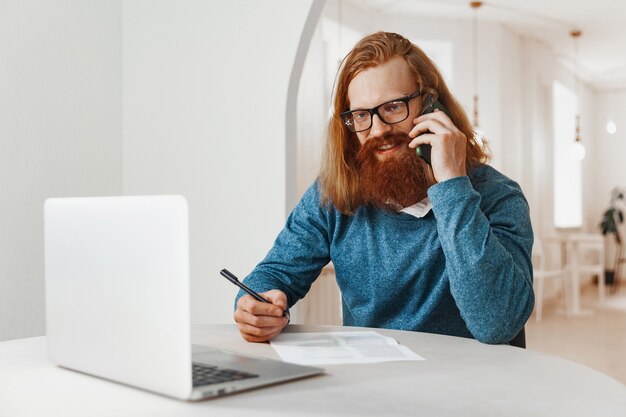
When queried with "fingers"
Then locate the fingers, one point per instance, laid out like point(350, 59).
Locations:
point(258, 321)
point(256, 334)
point(447, 141)
point(249, 304)
point(276, 297)
point(425, 132)
point(437, 115)
point(437, 123)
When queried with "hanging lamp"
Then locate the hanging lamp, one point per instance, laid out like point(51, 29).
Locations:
point(475, 5)
point(578, 149)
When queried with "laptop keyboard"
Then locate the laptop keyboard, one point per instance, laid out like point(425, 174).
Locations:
point(208, 375)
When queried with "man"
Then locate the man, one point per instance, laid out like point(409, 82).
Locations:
point(442, 248)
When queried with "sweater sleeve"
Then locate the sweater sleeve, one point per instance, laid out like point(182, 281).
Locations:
point(487, 241)
point(299, 252)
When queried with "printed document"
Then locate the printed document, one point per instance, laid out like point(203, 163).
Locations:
point(329, 348)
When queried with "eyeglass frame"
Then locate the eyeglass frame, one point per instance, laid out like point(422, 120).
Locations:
point(374, 111)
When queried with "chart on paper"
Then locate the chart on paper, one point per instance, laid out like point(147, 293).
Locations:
point(328, 348)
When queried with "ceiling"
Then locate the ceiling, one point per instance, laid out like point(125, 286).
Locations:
point(602, 47)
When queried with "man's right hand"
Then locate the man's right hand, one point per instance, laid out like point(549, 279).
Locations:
point(259, 322)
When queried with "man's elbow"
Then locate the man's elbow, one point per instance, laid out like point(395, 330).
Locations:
point(500, 329)
point(495, 336)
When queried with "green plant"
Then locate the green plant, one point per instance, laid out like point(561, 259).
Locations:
point(611, 219)
point(613, 216)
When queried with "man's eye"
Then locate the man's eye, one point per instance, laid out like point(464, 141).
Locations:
point(360, 115)
point(393, 107)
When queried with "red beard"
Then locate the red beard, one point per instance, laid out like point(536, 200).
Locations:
point(396, 180)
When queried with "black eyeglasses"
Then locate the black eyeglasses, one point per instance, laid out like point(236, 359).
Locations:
point(394, 111)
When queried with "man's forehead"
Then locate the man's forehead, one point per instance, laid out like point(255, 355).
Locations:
point(378, 84)
point(363, 102)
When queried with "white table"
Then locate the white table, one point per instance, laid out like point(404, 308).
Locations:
point(576, 246)
point(460, 377)
point(571, 250)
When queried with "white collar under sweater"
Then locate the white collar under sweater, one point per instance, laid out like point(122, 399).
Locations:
point(419, 209)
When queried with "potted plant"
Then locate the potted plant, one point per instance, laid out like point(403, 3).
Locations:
point(611, 219)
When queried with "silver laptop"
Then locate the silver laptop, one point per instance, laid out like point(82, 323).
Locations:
point(117, 300)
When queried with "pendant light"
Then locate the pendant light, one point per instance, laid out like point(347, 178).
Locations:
point(578, 149)
point(475, 5)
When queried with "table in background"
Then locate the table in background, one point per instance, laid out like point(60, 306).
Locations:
point(460, 377)
point(571, 250)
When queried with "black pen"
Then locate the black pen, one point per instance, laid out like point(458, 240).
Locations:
point(232, 278)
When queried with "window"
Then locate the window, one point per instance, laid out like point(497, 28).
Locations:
point(567, 169)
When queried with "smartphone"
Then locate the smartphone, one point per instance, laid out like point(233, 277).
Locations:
point(424, 150)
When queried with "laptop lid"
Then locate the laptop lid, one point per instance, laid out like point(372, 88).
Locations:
point(117, 289)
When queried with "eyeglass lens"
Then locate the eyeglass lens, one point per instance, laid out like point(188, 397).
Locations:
point(390, 113)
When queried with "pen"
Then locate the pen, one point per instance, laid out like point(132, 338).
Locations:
point(232, 278)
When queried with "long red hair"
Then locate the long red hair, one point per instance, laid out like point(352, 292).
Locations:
point(338, 178)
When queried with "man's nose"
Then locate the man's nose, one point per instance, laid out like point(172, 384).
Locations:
point(378, 128)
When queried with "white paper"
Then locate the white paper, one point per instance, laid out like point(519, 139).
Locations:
point(329, 348)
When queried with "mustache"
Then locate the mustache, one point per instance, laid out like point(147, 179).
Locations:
point(371, 145)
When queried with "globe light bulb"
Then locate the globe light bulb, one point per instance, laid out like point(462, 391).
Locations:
point(578, 151)
point(611, 127)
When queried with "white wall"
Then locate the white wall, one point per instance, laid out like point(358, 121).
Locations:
point(104, 97)
point(205, 99)
point(609, 158)
point(60, 133)
point(537, 75)
point(312, 113)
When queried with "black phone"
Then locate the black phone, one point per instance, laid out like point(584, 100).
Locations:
point(424, 150)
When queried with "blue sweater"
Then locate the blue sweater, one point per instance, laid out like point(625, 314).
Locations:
point(463, 270)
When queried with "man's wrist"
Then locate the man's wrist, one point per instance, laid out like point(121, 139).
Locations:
point(450, 189)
